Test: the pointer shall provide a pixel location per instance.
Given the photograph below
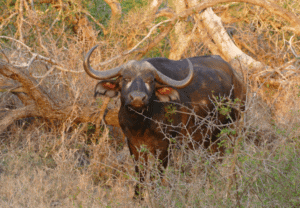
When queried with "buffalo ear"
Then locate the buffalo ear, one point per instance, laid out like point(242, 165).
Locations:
point(109, 88)
point(167, 93)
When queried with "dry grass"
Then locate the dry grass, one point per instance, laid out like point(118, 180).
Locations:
point(42, 168)
point(44, 164)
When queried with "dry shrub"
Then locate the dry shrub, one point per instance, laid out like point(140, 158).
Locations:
point(260, 161)
point(283, 101)
point(58, 164)
point(54, 163)
point(263, 36)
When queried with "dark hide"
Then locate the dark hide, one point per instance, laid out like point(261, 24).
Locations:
point(143, 108)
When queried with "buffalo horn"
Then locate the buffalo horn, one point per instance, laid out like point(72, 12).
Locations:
point(160, 77)
point(99, 74)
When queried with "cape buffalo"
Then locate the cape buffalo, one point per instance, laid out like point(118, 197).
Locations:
point(148, 88)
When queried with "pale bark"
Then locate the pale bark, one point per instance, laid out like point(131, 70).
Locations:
point(150, 12)
point(203, 34)
point(222, 44)
point(229, 51)
point(155, 4)
point(183, 40)
point(271, 7)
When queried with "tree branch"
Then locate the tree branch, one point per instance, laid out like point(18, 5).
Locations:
point(38, 94)
point(38, 56)
point(225, 44)
point(141, 52)
point(134, 49)
point(38, 102)
point(271, 7)
point(13, 115)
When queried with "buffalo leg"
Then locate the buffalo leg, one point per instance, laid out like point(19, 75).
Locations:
point(141, 160)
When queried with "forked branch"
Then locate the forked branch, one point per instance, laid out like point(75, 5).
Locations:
point(38, 103)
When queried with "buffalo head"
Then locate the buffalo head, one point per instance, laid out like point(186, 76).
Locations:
point(138, 81)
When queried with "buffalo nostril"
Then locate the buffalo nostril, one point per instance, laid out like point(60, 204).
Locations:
point(137, 99)
point(137, 96)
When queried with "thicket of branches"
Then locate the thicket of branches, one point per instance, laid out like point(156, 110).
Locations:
point(50, 125)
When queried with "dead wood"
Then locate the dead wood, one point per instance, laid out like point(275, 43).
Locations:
point(38, 103)
point(271, 7)
point(210, 25)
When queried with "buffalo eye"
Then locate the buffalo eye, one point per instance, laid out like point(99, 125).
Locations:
point(149, 81)
point(126, 79)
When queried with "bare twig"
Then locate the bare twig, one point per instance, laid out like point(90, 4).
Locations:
point(146, 37)
point(135, 47)
point(45, 75)
point(18, 41)
point(39, 103)
point(38, 56)
point(203, 5)
point(56, 19)
point(31, 61)
point(291, 47)
point(21, 21)
point(96, 21)
point(287, 64)
point(7, 20)
point(4, 55)
point(154, 42)
point(165, 12)
point(32, 5)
